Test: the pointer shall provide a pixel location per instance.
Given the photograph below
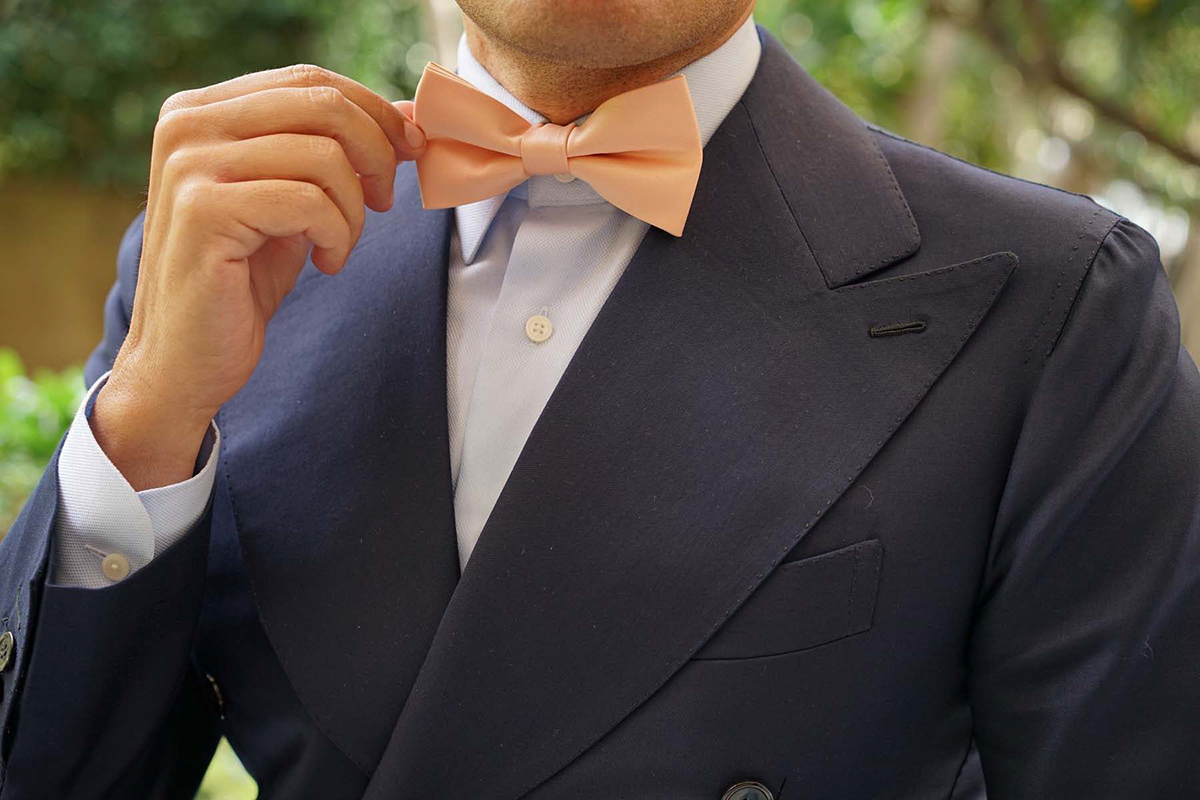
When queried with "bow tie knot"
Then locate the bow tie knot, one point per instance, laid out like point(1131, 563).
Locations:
point(640, 150)
point(544, 148)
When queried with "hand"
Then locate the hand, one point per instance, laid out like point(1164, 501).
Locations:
point(245, 175)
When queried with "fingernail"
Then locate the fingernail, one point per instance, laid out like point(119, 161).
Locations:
point(413, 135)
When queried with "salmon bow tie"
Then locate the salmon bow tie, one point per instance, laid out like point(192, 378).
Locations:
point(640, 150)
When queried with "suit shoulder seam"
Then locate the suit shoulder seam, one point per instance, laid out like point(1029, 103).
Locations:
point(1083, 273)
point(1037, 342)
point(980, 167)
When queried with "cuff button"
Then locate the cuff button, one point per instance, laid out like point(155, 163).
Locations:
point(8, 646)
point(115, 566)
point(748, 790)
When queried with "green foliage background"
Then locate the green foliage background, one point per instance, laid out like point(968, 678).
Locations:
point(34, 412)
point(81, 82)
point(1099, 96)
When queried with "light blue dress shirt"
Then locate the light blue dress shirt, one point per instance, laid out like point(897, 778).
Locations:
point(528, 272)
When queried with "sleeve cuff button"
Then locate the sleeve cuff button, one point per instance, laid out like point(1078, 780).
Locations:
point(115, 566)
point(8, 645)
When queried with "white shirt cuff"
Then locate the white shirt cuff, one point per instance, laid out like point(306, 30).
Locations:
point(105, 530)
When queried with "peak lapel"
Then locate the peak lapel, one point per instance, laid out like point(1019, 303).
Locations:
point(336, 461)
point(836, 181)
point(722, 400)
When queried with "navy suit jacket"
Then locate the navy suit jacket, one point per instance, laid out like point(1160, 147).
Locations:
point(882, 481)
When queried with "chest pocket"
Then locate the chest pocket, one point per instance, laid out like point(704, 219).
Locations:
point(802, 604)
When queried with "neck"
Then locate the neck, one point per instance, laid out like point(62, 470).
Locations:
point(564, 92)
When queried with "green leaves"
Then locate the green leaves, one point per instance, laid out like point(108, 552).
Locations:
point(81, 83)
point(1099, 97)
point(34, 414)
point(226, 779)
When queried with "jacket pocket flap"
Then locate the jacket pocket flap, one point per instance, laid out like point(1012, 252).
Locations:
point(802, 604)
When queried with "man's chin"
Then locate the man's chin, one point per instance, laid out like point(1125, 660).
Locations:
point(599, 34)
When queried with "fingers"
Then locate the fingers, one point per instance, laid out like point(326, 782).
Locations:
point(318, 110)
point(279, 154)
point(384, 114)
point(272, 208)
point(290, 156)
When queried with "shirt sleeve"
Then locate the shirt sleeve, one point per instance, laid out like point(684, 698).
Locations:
point(104, 530)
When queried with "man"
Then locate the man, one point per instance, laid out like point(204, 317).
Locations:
point(857, 472)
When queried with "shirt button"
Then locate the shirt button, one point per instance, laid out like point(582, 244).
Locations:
point(116, 566)
point(564, 177)
point(538, 328)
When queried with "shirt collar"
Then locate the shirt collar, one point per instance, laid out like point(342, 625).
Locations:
point(716, 82)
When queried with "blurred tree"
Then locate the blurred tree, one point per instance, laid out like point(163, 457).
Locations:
point(1100, 97)
point(1097, 96)
point(81, 83)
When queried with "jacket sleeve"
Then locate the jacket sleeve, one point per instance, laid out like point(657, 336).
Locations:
point(99, 695)
point(1084, 665)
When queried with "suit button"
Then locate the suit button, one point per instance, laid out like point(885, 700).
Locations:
point(8, 646)
point(748, 790)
